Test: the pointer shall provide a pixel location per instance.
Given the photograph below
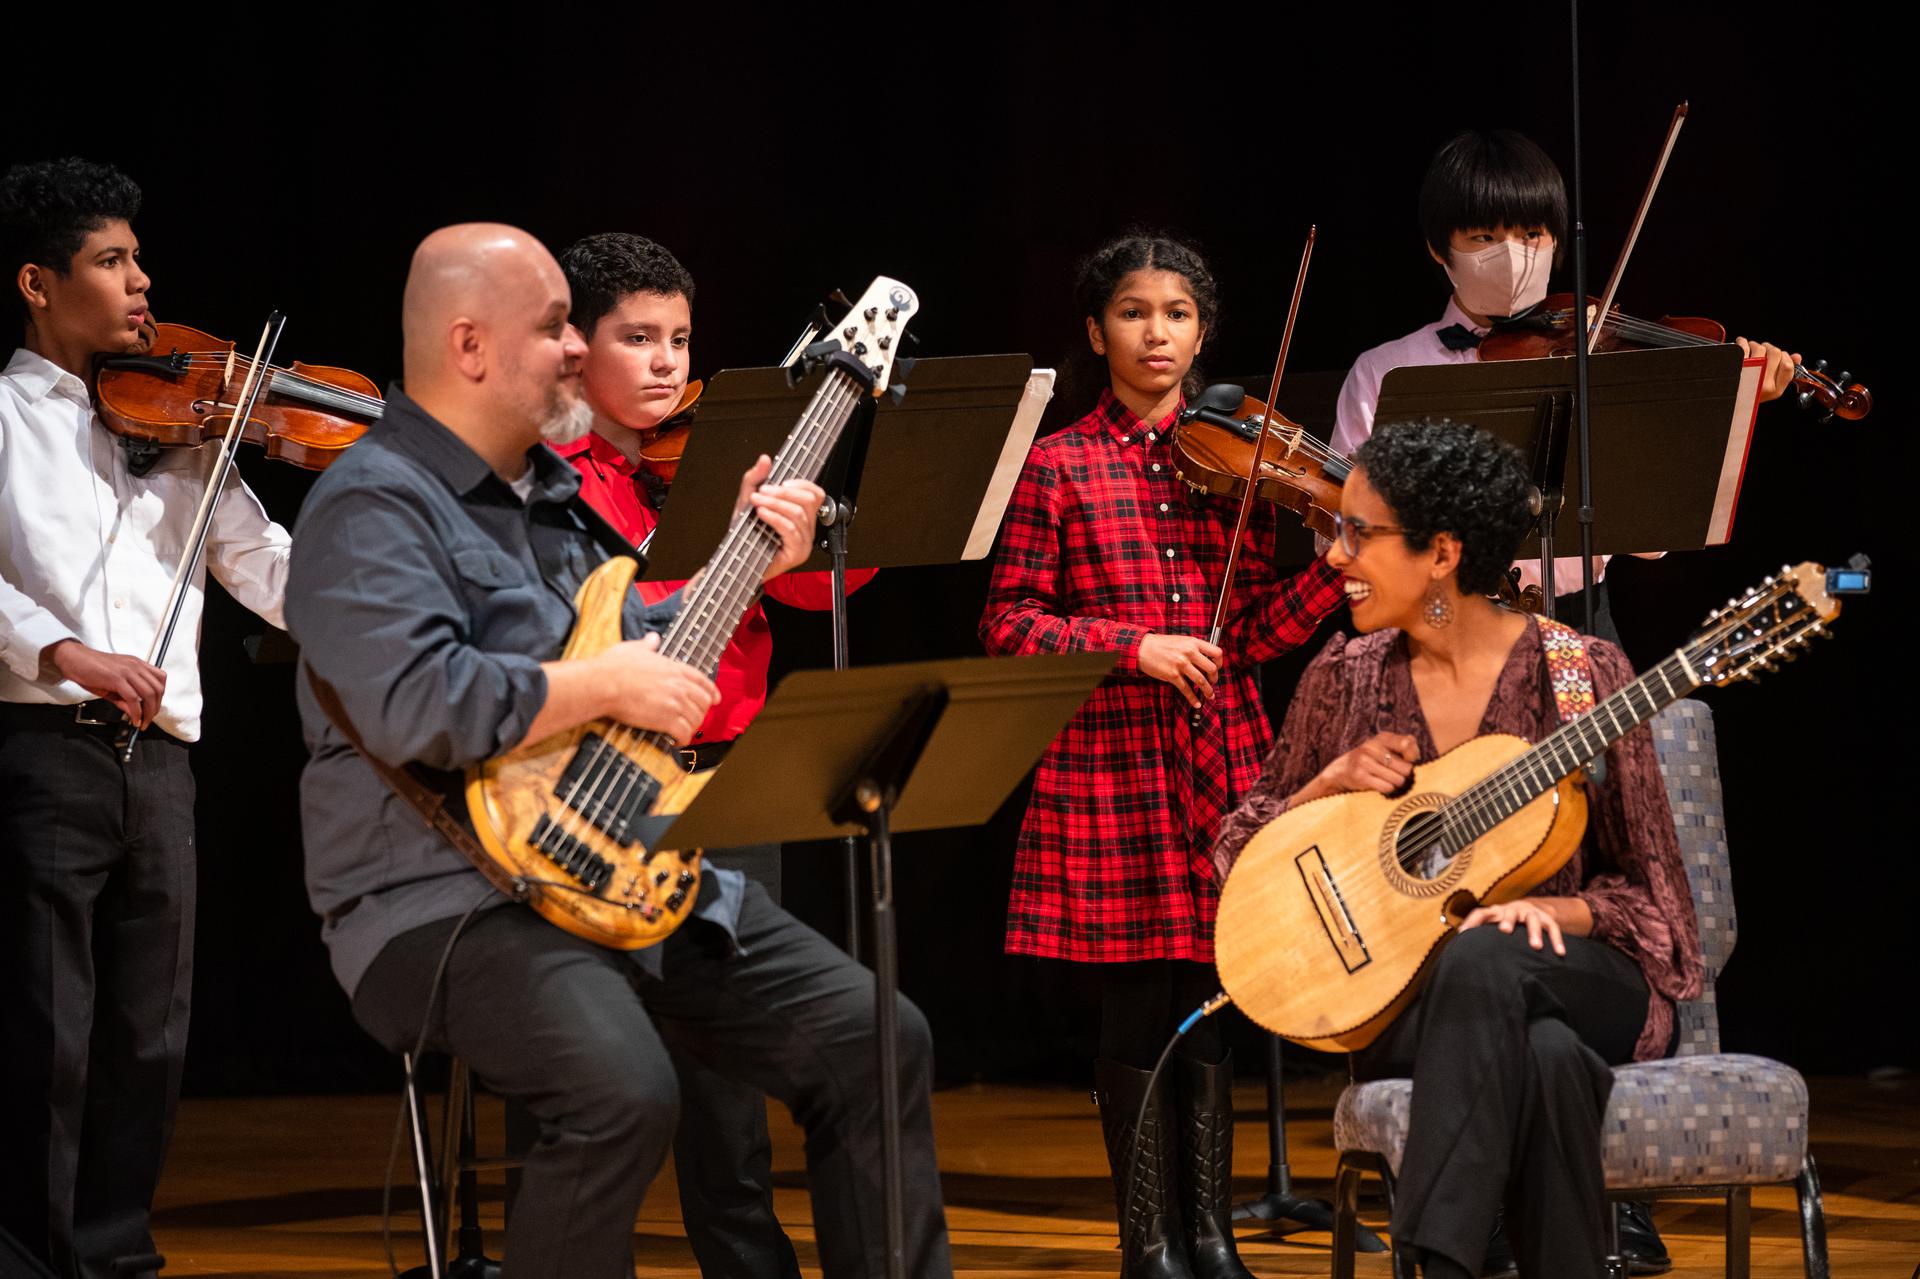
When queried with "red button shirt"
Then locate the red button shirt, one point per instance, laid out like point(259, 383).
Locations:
point(609, 485)
point(1100, 546)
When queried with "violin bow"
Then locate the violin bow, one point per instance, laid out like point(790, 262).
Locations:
point(1260, 445)
point(250, 389)
point(1633, 236)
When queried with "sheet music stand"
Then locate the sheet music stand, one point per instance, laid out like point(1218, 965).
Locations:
point(938, 470)
point(930, 477)
point(1670, 434)
point(881, 749)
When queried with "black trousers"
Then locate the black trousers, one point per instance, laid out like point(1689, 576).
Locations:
point(722, 1152)
point(96, 957)
point(581, 1036)
point(1509, 1050)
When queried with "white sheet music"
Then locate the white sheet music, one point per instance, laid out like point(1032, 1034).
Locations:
point(1746, 404)
point(1013, 456)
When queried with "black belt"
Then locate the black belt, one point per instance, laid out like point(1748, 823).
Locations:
point(97, 716)
point(705, 755)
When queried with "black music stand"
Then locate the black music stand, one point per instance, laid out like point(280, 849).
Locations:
point(1670, 432)
point(929, 477)
point(845, 746)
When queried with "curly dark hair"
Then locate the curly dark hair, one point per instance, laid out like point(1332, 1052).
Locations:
point(49, 207)
point(1492, 177)
point(1442, 476)
point(1142, 250)
point(602, 269)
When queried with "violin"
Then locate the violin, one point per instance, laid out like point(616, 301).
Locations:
point(1213, 451)
point(1551, 329)
point(661, 447)
point(305, 414)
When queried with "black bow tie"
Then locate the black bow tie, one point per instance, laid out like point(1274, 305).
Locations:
point(1458, 337)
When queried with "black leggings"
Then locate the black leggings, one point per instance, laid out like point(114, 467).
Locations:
point(1141, 1003)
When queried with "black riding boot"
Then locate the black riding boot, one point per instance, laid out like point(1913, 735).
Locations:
point(1150, 1242)
point(1206, 1186)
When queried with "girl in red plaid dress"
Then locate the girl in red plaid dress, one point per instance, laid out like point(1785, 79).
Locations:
point(1103, 549)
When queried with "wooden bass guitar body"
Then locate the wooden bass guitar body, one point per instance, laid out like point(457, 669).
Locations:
point(1323, 936)
point(558, 813)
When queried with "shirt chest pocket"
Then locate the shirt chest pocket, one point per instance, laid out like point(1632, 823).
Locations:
point(483, 568)
point(509, 610)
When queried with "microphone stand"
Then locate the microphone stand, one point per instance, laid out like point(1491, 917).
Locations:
point(1582, 349)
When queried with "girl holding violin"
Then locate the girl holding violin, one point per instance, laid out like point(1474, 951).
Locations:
point(1493, 210)
point(1101, 549)
point(96, 844)
point(633, 303)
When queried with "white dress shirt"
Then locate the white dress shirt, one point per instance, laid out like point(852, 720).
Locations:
point(88, 550)
point(1360, 396)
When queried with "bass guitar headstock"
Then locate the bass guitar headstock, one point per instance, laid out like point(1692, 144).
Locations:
point(869, 335)
point(1769, 624)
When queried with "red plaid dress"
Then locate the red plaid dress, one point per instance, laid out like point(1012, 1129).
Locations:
point(1101, 546)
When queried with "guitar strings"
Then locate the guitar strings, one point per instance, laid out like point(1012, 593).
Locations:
point(612, 750)
point(804, 452)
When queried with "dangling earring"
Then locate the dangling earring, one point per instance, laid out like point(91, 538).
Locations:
point(1439, 609)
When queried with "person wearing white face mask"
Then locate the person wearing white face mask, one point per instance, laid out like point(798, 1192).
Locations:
point(1493, 209)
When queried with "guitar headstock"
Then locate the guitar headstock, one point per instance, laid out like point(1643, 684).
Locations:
point(1769, 623)
point(871, 332)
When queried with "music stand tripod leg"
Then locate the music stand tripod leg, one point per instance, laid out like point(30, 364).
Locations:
point(1287, 1211)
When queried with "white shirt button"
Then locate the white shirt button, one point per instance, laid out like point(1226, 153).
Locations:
point(1163, 506)
point(1176, 597)
point(123, 603)
point(1128, 439)
point(1169, 552)
point(1156, 466)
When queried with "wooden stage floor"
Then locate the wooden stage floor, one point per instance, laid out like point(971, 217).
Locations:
point(276, 1187)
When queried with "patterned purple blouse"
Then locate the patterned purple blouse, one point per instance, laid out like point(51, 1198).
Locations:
point(1627, 869)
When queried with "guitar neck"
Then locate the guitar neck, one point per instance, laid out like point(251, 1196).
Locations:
point(731, 579)
point(1490, 801)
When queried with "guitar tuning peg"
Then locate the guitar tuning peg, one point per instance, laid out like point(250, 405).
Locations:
point(903, 368)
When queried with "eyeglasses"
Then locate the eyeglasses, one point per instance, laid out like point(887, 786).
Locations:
point(1351, 533)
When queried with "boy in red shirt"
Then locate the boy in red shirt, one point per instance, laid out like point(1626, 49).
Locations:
point(633, 302)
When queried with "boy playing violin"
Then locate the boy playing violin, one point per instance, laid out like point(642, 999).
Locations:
point(96, 908)
point(1493, 210)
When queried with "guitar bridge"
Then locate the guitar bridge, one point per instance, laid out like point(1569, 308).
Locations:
point(1332, 909)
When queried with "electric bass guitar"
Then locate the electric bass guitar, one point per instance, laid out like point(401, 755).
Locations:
point(1336, 910)
point(571, 819)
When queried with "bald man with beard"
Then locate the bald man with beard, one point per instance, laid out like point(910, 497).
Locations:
point(431, 585)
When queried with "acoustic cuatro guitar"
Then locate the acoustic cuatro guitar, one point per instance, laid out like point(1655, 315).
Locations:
point(1336, 910)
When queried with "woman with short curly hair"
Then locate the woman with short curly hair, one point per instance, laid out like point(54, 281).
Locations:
point(1510, 1041)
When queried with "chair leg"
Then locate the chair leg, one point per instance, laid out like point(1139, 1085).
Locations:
point(451, 1124)
point(1346, 1211)
point(423, 1172)
point(1813, 1219)
point(1739, 1231)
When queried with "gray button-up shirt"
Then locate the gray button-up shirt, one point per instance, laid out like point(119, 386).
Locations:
point(427, 593)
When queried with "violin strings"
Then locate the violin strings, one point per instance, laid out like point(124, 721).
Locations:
point(276, 373)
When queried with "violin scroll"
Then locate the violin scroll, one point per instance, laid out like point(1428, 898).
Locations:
point(1835, 395)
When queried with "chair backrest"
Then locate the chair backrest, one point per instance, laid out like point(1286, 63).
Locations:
point(1683, 739)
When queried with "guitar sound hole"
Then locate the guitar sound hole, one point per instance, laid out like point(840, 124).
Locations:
point(1416, 847)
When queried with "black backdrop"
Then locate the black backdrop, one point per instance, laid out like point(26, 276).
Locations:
point(975, 152)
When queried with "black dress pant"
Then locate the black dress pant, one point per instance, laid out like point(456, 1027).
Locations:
point(722, 1152)
point(1509, 1049)
point(580, 1035)
point(96, 961)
